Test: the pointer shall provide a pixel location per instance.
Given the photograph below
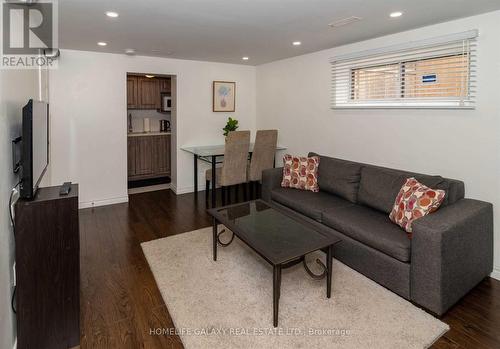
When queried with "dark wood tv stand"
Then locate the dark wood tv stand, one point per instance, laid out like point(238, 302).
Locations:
point(48, 270)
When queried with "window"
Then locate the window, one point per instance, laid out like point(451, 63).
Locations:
point(442, 77)
point(439, 73)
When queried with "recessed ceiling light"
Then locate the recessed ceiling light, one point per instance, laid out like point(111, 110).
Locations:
point(102, 43)
point(112, 14)
point(396, 14)
point(130, 51)
point(245, 58)
point(149, 76)
point(296, 43)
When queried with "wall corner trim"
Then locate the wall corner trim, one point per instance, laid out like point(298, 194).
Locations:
point(496, 273)
point(173, 187)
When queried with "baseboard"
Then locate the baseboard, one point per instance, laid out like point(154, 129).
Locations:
point(149, 188)
point(173, 187)
point(104, 202)
point(495, 274)
point(185, 190)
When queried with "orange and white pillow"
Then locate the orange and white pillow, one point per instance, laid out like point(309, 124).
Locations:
point(414, 201)
point(300, 172)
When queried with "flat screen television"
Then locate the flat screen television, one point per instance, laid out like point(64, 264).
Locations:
point(35, 147)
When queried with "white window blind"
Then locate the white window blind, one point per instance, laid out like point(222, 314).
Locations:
point(434, 73)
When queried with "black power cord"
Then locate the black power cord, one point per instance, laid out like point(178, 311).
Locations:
point(13, 301)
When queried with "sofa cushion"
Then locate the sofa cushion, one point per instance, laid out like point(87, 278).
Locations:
point(379, 186)
point(414, 201)
point(306, 202)
point(371, 228)
point(339, 177)
point(300, 172)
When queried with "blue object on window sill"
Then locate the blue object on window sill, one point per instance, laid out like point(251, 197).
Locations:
point(429, 78)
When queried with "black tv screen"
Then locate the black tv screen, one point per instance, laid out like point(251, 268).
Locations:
point(35, 147)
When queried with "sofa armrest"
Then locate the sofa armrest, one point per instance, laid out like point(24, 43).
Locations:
point(451, 252)
point(271, 179)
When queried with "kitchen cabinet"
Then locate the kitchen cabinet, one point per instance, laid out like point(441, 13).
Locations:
point(149, 156)
point(161, 154)
point(165, 85)
point(131, 150)
point(149, 93)
point(146, 93)
point(132, 92)
point(143, 156)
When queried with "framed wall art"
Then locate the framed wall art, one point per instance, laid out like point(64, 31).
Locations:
point(224, 96)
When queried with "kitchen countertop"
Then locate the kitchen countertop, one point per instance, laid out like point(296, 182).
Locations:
point(141, 134)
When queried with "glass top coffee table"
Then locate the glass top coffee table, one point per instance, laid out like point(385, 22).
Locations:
point(278, 238)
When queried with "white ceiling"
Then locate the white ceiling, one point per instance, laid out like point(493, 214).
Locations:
point(227, 30)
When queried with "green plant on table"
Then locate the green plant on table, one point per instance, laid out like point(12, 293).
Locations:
point(231, 125)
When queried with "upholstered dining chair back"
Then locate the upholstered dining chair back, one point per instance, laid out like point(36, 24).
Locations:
point(234, 167)
point(263, 154)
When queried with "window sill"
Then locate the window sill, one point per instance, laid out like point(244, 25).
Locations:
point(403, 107)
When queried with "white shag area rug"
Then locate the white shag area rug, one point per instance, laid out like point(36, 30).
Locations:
point(228, 303)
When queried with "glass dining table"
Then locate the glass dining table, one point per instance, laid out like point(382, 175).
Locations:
point(212, 154)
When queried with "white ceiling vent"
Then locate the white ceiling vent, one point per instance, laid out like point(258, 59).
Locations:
point(344, 21)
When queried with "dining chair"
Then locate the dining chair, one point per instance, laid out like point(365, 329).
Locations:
point(264, 151)
point(234, 166)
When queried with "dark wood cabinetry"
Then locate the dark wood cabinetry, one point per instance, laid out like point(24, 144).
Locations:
point(149, 156)
point(48, 270)
point(165, 85)
point(131, 157)
point(131, 150)
point(143, 156)
point(149, 93)
point(132, 92)
point(161, 154)
point(146, 93)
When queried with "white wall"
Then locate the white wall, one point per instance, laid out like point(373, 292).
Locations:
point(89, 117)
point(293, 96)
point(16, 88)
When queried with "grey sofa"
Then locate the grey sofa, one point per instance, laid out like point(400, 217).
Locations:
point(451, 250)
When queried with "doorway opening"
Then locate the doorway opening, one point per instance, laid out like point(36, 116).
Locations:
point(150, 131)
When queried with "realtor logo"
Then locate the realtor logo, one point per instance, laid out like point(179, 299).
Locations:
point(28, 30)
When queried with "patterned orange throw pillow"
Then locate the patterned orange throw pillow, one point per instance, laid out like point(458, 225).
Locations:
point(300, 172)
point(414, 200)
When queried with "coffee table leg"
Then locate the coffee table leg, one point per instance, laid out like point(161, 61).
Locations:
point(329, 271)
point(195, 167)
point(279, 283)
point(276, 292)
point(214, 238)
point(214, 181)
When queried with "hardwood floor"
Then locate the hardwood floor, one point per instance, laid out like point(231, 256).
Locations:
point(120, 302)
